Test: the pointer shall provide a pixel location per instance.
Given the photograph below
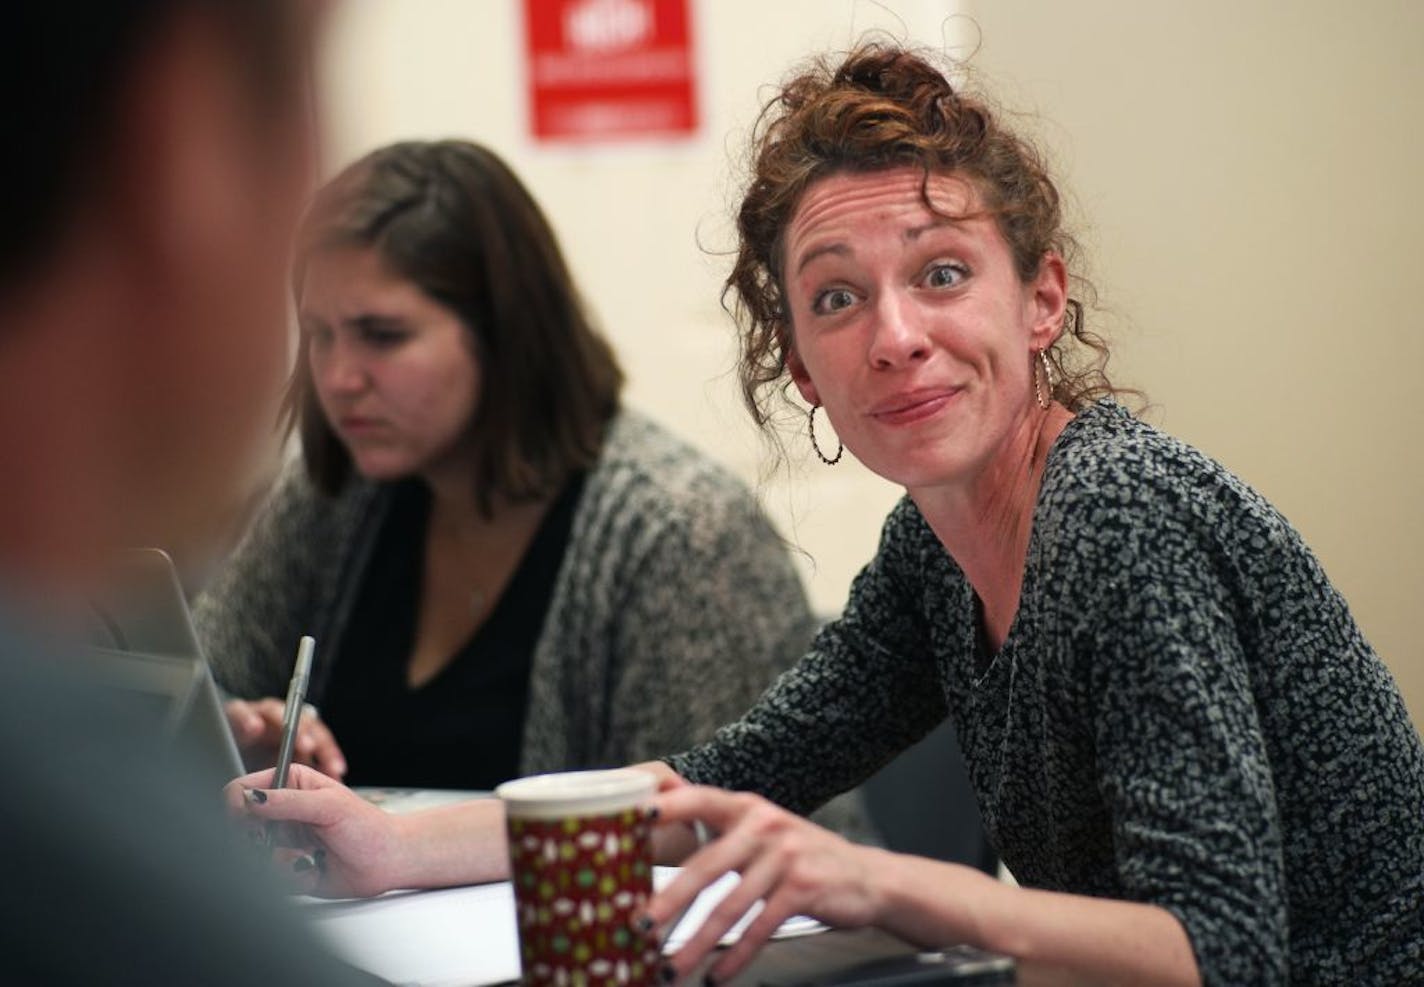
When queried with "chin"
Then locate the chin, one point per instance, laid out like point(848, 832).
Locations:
point(381, 469)
point(921, 468)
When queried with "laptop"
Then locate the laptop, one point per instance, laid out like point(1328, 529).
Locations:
point(145, 646)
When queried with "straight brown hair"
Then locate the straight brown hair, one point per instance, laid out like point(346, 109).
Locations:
point(453, 219)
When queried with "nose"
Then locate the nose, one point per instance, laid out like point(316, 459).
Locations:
point(339, 371)
point(898, 337)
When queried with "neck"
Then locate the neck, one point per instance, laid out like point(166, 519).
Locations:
point(454, 493)
point(985, 522)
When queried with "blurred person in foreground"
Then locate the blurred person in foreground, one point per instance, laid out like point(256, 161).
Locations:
point(1182, 744)
point(506, 571)
point(159, 158)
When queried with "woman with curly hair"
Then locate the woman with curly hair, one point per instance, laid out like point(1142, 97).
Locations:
point(1182, 744)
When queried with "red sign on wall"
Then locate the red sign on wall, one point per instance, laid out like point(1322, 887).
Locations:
point(609, 69)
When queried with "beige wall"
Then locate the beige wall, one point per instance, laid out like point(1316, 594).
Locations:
point(1250, 176)
point(1247, 171)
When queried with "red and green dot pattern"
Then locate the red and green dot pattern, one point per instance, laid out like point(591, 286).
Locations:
point(579, 884)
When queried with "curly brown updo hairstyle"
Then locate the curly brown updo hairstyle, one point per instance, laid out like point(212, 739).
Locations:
point(883, 107)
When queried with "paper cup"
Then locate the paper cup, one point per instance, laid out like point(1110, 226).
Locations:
point(580, 858)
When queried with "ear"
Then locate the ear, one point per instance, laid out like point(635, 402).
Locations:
point(797, 368)
point(1047, 302)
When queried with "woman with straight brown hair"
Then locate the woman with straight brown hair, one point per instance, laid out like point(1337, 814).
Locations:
point(505, 572)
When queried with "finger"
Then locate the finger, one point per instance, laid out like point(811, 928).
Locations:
point(306, 745)
point(313, 808)
point(302, 869)
point(777, 909)
point(245, 723)
point(272, 712)
point(758, 881)
point(698, 803)
point(732, 851)
point(242, 796)
point(234, 792)
point(326, 753)
point(666, 776)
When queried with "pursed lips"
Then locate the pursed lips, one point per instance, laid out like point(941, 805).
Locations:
point(909, 406)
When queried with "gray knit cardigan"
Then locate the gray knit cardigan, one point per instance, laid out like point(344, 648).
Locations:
point(676, 604)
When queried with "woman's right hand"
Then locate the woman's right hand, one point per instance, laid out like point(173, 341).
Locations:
point(257, 726)
point(338, 845)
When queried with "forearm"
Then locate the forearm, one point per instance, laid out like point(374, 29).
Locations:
point(452, 845)
point(1090, 940)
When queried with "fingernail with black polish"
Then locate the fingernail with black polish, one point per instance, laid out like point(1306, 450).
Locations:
point(709, 981)
point(255, 796)
point(667, 974)
point(652, 813)
point(643, 924)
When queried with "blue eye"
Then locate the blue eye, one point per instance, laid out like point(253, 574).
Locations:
point(832, 301)
point(946, 275)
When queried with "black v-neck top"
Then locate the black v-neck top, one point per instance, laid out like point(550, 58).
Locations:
point(463, 728)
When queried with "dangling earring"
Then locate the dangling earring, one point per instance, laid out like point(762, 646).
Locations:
point(1043, 401)
point(811, 427)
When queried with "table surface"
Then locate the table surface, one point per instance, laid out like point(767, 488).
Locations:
point(792, 960)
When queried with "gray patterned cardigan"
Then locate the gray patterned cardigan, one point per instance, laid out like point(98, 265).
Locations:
point(1183, 713)
point(675, 606)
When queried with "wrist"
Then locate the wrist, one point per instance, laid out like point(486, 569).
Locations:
point(885, 885)
point(450, 845)
point(929, 902)
point(403, 856)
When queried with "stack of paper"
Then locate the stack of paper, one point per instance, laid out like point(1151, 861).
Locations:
point(797, 925)
point(468, 935)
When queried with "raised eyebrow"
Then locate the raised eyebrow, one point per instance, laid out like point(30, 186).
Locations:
point(915, 232)
point(838, 249)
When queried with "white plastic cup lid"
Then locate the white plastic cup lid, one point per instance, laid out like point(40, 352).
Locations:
point(576, 793)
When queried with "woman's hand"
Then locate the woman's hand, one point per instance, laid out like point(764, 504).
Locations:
point(257, 725)
point(794, 866)
point(671, 844)
point(668, 779)
point(344, 846)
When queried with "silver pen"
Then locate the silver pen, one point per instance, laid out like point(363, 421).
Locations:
point(292, 712)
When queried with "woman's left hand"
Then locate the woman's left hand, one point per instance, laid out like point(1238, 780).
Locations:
point(794, 866)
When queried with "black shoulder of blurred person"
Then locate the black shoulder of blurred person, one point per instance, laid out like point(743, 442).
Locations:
point(117, 865)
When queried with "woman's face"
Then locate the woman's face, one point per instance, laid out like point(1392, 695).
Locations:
point(913, 330)
point(394, 370)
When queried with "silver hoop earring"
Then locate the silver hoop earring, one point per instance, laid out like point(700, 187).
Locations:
point(811, 427)
point(1043, 401)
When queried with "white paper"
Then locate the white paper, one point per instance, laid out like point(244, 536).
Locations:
point(797, 925)
point(468, 935)
point(453, 936)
